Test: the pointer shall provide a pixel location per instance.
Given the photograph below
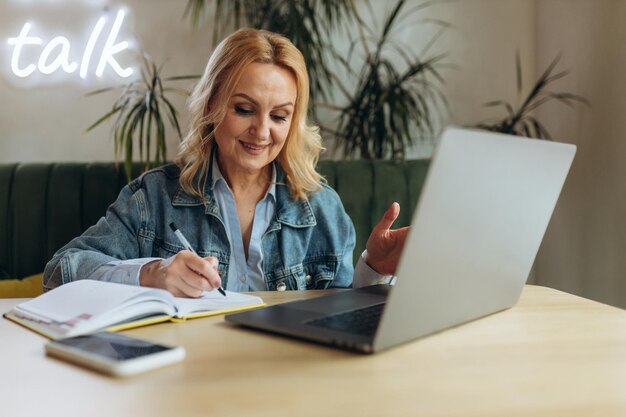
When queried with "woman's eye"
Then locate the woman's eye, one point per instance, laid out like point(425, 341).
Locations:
point(243, 110)
point(279, 118)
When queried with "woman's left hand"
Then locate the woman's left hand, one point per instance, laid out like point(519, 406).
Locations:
point(384, 245)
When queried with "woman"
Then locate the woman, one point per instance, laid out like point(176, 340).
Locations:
point(244, 192)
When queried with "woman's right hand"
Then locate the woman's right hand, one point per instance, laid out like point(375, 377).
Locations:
point(184, 274)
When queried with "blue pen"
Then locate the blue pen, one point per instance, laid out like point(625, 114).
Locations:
point(187, 246)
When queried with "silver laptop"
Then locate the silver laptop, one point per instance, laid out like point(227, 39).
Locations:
point(481, 216)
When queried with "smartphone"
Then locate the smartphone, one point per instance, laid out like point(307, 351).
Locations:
point(114, 353)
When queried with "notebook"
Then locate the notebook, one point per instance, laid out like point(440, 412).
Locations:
point(86, 306)
point(479, 222)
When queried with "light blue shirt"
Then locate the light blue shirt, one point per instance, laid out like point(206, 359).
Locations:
point(244, 274)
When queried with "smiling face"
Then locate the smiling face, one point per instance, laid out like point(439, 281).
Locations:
point(257, 121)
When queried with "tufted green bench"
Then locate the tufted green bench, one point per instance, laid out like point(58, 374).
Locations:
point(44, 205)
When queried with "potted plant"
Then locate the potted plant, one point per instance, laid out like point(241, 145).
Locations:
point(140, 112)
point(390, 107)
point(519, 119)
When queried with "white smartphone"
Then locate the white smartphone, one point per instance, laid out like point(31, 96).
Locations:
point(114, 353)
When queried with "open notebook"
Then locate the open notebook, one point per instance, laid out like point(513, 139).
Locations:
point(85, 306)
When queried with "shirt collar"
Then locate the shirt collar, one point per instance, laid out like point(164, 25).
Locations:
point(217, 177)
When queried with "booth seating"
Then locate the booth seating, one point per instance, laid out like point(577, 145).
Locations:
point(44, 205)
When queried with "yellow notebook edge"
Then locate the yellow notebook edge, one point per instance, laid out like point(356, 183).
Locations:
point(147, 321)
point(201, 314)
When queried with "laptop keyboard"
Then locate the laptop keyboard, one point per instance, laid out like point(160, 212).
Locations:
point(363, 321)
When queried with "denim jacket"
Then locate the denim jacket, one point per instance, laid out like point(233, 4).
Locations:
point(308, 244)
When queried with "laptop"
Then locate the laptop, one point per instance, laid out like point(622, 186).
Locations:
point(481, 216)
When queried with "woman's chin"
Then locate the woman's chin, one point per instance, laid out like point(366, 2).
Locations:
point(254, 163)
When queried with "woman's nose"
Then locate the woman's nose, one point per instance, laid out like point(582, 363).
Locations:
point(260, 128)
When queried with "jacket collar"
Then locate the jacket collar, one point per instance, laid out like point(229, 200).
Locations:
point(295, 213)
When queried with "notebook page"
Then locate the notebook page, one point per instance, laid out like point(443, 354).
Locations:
point(82, 298)
point(214, 301)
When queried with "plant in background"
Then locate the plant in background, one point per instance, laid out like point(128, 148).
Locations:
point(520, 121)
point(140, 113)
point(390, 108)
point(307, 23)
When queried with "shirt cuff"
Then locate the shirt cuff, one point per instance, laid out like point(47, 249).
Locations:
point(365, 276)
point(121, 272)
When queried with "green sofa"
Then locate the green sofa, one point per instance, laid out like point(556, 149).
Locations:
point(44, 205)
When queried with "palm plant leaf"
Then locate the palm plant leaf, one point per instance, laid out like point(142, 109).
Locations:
point(518, 72)
point(102, 119)
point(195, 10)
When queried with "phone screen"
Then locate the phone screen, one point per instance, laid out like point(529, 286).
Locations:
point(113, 345)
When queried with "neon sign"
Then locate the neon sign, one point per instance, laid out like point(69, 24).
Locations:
point(55, 55)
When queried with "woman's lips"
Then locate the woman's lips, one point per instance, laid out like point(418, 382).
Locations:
point(252, 148)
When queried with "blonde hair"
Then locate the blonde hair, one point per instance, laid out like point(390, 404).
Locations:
point(209, 99)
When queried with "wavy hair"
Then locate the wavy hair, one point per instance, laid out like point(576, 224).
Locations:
point(208, 103)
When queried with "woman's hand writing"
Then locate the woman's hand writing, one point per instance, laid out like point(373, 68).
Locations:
point(184, 274)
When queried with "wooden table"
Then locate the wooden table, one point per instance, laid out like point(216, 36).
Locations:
point(554, 354)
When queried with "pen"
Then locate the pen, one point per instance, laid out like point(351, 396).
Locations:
point(187, 246)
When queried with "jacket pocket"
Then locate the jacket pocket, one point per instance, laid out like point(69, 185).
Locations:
point(163, 249)
point(314, 273)
point(319, 271)
point(286, 279)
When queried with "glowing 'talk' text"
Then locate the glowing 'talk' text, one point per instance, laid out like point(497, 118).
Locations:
point(55, 56)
